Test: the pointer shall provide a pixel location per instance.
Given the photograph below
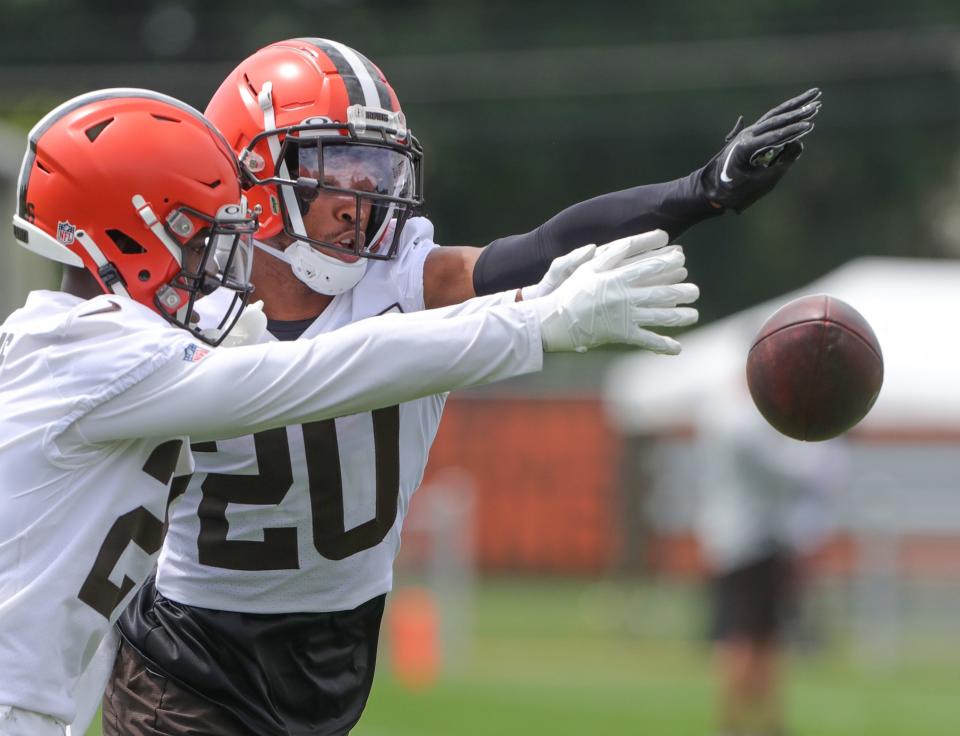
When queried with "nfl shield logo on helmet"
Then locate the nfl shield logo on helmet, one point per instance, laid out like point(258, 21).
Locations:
point(66, 233)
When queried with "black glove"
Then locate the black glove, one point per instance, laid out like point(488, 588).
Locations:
point(756, 157)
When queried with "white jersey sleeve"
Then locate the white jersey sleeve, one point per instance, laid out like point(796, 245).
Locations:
point(471, 306)
point(364, 366)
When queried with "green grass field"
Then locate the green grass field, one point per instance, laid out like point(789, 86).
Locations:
point(564, 658)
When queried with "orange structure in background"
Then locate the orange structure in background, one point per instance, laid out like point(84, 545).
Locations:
point(549, 497)
point(545, 481)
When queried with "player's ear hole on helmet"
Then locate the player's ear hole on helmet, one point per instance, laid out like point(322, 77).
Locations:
point(125, 243)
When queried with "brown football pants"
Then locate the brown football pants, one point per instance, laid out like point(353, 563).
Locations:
point(138, 702)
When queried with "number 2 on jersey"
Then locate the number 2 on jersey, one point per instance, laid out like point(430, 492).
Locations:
point(138, 526)
point(279, 548)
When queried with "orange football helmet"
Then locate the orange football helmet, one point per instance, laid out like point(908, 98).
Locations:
point(143, 192)
point(299, 114)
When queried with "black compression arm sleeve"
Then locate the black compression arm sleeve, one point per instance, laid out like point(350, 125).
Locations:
point(521, 260)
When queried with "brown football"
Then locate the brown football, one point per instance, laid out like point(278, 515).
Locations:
point(815, 368)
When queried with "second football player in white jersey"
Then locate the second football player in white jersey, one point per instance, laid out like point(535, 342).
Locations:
point(290, 535)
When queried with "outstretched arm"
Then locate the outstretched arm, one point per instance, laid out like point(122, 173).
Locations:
point(629, 287)
point(366, 365)
point(748, 166)
point(454, 274)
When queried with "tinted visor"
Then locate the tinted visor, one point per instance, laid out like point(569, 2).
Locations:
point(382, 181)
point(382, 173)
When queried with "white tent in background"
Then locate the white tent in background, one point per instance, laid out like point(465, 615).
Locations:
point(912, 305)
point(899, 499)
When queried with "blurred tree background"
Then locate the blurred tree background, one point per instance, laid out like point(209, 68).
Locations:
point(526, 107)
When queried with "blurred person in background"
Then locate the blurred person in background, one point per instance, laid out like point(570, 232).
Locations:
point(764, 511)
point(291, 535)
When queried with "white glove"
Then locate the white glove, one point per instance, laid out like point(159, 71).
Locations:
point(559, 271)
point(612, 297)
point(562, 267)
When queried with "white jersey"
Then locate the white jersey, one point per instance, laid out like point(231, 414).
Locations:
point(97, 399)
point(308, 518)
point(78, 521)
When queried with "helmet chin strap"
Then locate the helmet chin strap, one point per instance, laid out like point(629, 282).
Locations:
point(322, 273)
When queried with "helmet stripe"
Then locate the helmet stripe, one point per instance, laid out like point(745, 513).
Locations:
point(368, 75)
point(364, 85)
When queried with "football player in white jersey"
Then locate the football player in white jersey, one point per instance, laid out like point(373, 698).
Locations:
point(102, 381)
point(265, 613)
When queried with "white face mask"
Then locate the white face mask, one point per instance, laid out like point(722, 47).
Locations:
point(322, 273)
